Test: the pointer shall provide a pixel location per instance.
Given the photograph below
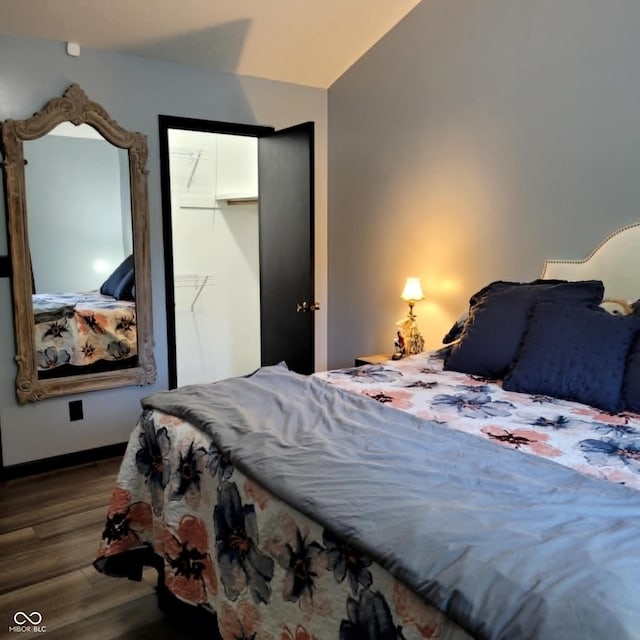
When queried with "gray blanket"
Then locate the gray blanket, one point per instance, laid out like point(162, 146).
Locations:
point(507, 545)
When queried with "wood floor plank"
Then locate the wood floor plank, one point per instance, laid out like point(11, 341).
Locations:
point(50, 529)
point(110, 623)
point(54, 535)
point(64, 600)
point(95, 518)
point(49, 559)
point(54, 489)
point(71, 476)
point(24, 517)
point(45, 596)
point(25, 494)
point(11, 539)
point(137, 619)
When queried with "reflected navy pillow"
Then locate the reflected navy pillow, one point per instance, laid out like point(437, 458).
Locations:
point(121, 282)
point(126, 287)
point(631, 386)
point(574, 353)
point(498, 319)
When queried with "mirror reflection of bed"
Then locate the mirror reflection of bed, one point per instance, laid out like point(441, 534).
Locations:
point(80, 232)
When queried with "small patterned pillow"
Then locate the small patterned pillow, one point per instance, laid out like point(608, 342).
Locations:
point(617, 306)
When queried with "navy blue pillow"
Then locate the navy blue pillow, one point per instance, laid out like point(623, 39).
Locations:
point(574, 353)
point(498, 319)
point(631, 386)
point(456, 330)
point(121, 282)
point(126, 287)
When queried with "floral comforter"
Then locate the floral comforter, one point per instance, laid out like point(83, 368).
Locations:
point(575, 435)
point(83, 328)
point(268, 571)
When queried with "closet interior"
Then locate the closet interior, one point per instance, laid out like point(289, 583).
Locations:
point(214, 203)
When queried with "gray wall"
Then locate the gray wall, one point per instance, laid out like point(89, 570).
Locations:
point(134, 91)
point(472, 142)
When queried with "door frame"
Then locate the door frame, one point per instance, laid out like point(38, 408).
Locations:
point(186, 124)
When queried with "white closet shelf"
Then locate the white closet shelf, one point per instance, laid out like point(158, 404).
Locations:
point(237, 198)
point(197, 201)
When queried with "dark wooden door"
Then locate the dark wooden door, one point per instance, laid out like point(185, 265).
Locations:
point(285, 170)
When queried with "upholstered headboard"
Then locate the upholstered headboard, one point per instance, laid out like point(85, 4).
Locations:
point(615, 261)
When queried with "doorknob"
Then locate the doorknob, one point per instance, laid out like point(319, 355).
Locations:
point(305, 306)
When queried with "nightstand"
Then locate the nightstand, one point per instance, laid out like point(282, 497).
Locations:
point(374, 359)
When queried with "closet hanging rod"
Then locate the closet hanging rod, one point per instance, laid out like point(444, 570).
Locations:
point(198, 292)
point(197, 281)
point(192, 279)
point(193, 169)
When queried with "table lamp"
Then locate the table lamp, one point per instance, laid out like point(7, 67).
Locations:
point(412, 293)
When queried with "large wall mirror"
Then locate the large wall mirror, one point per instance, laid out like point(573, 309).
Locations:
point(77, 216)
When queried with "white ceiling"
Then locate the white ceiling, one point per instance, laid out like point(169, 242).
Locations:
point(309, 42)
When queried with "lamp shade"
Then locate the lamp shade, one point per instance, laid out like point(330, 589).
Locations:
point(412, 290)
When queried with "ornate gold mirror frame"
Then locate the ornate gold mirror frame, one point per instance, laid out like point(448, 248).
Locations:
point(74, 107)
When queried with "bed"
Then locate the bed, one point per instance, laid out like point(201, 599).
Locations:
point(90, 331)
point(83, 330)
point(410, 499)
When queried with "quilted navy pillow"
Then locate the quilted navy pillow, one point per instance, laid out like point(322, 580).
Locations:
point(121, 282)
point(125, 290)
point(574, 353)
point(498, 319)
point(631, 387)
point(456, 330)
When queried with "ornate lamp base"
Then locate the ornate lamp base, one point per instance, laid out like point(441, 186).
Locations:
point(415, 341)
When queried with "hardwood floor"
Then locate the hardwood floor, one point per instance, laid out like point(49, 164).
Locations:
point(50, 528)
